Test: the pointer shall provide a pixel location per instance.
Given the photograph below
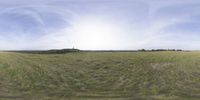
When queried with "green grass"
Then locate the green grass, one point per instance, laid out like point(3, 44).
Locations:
point(100, 76)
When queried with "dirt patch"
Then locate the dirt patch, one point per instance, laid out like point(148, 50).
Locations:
point(161, 65)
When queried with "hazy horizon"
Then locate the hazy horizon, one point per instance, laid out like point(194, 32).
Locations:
point(99, 24)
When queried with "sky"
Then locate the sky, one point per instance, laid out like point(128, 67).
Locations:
point(99, 24)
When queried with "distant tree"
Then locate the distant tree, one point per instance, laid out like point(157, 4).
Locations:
point(142, 50)
point(179, 50)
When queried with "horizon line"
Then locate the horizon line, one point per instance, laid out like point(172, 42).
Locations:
point(101, 49)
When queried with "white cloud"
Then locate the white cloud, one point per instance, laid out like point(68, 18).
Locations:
point(135, 24)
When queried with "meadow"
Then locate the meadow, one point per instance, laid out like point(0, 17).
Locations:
point(165, 75)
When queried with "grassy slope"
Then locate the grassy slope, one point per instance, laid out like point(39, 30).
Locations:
point(97, 76)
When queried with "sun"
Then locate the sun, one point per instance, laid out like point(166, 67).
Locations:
point(94, 33)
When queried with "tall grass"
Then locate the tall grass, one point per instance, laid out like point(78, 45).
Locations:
point(101, 75)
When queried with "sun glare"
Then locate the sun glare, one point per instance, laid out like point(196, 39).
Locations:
point(95, 33)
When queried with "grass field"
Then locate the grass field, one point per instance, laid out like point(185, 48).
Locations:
point(100, 76)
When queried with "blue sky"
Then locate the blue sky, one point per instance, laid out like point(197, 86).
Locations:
point(99, 24)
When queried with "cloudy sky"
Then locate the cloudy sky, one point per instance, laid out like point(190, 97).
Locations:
point(99, 24)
